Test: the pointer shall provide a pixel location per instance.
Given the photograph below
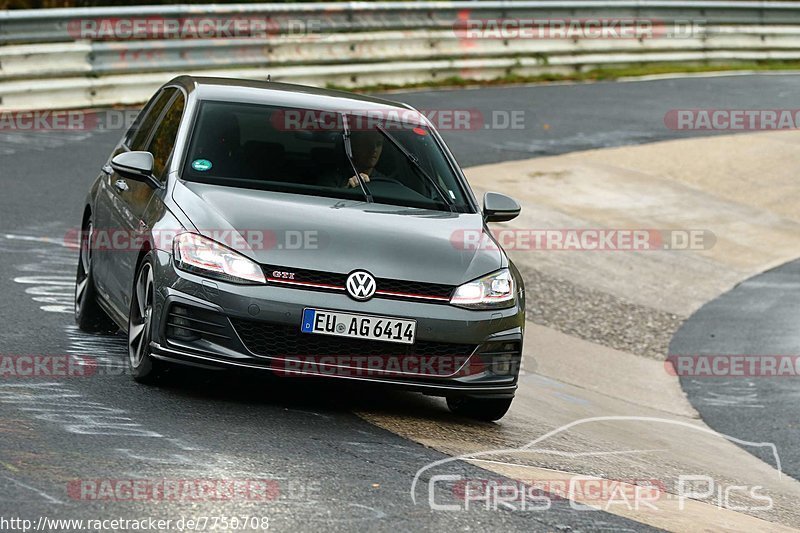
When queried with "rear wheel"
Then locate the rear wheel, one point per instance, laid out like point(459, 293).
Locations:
point(486, 409)
point(144, 368)
point(88, 314)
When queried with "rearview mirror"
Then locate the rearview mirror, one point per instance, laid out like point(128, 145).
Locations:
point(136, 166)
point(499, 207)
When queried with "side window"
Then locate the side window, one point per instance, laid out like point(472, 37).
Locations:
point(140, 131)
point(164, 138)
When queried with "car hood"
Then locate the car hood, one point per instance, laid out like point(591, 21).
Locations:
point(334, 235)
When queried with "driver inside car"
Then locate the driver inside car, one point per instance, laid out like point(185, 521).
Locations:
point(367, 147)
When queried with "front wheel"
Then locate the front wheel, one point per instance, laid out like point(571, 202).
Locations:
point(144, 368)
point(89, 315)
point(485, 409)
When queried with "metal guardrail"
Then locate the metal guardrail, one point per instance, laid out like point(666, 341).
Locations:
point(48, 59)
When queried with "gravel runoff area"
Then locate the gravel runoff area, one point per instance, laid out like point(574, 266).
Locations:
point(597, 316)
point(706, 183)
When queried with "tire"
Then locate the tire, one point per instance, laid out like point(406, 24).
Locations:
point(485, 409)
point(89, 316)
point(144, 367)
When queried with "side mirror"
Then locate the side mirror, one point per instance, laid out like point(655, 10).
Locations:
point(499, 207)
point(136, 166)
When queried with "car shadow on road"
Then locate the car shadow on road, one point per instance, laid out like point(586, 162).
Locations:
point(263, 388)
point(323, 395)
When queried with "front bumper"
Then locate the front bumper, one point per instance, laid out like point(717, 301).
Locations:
point(211, 324)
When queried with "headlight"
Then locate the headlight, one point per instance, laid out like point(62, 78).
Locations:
point(489, 292)
point(199, 255)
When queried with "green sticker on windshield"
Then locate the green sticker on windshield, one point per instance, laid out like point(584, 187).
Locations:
point(201, 165)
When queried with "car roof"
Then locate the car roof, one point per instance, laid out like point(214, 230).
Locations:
point(276, 93)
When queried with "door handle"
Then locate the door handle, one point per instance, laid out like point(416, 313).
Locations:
point(107, 170)
point(121, 185)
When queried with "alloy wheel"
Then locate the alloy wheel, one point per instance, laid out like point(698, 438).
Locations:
point(141, 316)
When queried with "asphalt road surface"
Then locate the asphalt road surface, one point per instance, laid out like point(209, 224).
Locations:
point(758, 318)
point(321, 465)
point(567, 118)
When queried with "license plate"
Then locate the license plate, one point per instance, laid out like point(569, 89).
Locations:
point(377, 328)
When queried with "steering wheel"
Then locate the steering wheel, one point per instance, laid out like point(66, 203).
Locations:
point(387, 179)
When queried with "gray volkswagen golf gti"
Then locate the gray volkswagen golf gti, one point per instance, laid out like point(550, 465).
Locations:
point(305, 232)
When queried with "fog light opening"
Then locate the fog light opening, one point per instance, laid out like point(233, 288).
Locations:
point(502, 364)
point(174, 330)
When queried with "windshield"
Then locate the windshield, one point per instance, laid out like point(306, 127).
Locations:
point(398, 162)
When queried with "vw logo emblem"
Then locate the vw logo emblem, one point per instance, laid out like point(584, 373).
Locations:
point(361, 285)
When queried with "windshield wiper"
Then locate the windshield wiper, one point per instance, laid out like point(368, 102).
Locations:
point(348, 150)
point(415, 164)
